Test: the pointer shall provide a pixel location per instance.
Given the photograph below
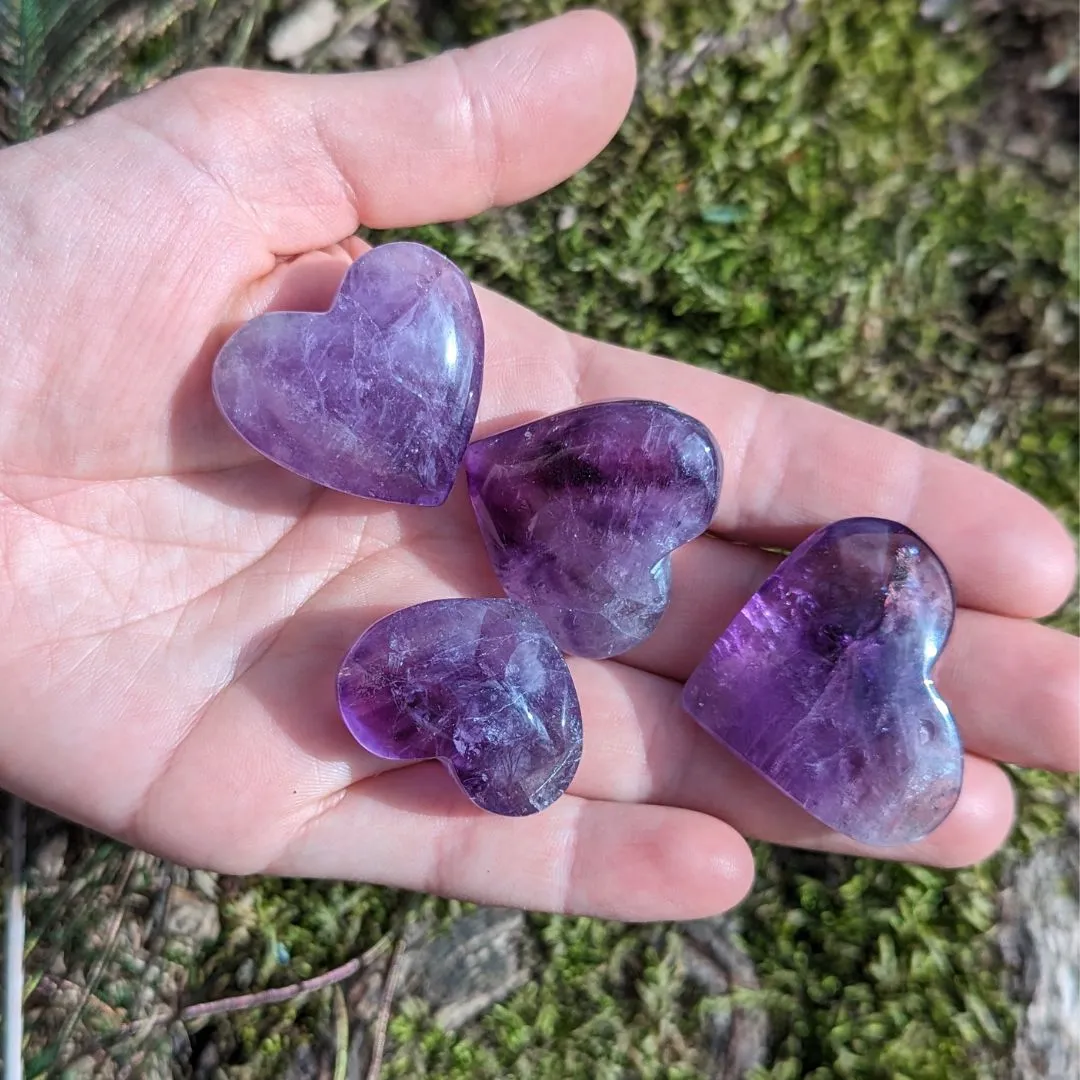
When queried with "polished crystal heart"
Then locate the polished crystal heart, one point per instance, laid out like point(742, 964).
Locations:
point(478, 684)
point(823, 683)
point(581, 511)
point(377, 396)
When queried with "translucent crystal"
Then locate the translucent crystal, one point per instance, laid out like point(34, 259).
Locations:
point(377, 396)
point(580, 513)
point(478, 684)
point(823, 683)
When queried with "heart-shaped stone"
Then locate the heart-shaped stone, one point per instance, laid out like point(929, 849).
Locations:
point(581, 511)
point(823, 683)
point(377, 396)
point(478, 684)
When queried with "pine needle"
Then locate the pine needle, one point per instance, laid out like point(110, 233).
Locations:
point(60, 58)
point(14, 941)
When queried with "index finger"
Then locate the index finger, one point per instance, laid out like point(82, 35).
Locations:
point(791, 466)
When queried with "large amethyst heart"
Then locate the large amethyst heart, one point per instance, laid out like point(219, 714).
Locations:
point(478, 684)
point(377, 396)
point(581, 511)
point(823, 683)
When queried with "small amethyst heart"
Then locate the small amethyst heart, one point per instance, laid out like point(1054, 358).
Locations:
point(377, 396)
point(823, 683)
point(478, 684)
point(581, 511)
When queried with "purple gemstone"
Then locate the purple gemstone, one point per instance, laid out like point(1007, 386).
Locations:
point(581, 511)
point(377, 396)
point(478, 684)
point(823, 683)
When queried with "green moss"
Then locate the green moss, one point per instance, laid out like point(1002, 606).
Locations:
point(611, 1001)
point(878, 970)
point(794, 216)
point(277, 932)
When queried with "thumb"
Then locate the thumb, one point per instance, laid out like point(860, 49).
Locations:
point(308, 158)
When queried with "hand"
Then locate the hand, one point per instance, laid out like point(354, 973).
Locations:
point(175, 607)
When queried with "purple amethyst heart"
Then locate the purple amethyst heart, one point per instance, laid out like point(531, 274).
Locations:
point(478, 684)
point(581, 511)
point(377, 396)
point(823, 683)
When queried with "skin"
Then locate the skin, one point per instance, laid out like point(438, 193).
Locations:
point(175, 608)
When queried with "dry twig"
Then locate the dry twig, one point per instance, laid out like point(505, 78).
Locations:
point(240, 1002)
point(281, 993)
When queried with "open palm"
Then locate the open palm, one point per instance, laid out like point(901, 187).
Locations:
point(174, 608)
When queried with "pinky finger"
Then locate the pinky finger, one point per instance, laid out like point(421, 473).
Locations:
point(413, 829)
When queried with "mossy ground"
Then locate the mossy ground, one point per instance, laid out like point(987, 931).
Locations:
point(795, 211)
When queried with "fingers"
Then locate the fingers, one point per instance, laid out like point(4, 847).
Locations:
point(274, 752)
point(413, 828)
point(1004, 551)
point(308, 158)
point(792, 466)
point(802, 465)
point(641, 747)
point(1013, 686)
point(1016, 688)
